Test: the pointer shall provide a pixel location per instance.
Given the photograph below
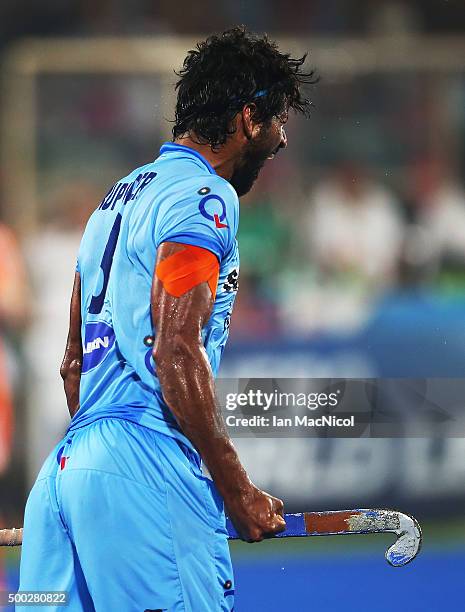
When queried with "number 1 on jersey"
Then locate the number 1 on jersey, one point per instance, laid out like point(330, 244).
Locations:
point(96, 303)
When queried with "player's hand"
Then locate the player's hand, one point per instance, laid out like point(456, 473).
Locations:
point(256, 515)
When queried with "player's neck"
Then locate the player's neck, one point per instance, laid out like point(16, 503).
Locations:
point(222, 159)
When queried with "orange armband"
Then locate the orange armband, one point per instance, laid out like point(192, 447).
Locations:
point(188, 268)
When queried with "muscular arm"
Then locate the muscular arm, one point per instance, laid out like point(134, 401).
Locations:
point(188, 388)
point(70, 369)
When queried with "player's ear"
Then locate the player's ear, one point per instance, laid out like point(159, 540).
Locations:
point(250, 126)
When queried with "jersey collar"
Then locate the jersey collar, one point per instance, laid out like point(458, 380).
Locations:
point(179, 148)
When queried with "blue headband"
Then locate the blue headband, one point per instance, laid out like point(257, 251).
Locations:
point(259, 94)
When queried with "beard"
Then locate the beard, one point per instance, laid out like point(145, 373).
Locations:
point(246, 174)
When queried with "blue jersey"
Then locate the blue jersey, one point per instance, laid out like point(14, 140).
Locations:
point(177, 198)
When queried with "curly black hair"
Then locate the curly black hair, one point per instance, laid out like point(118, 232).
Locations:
point(227, 71)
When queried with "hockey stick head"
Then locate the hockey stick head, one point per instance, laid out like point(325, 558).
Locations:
point(406, 528)
point(408, 542)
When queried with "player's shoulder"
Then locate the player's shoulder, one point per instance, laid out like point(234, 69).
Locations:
point(210, 195)
point(186, 175)
point(211, 186)
point(200, 208)
point(197, 190)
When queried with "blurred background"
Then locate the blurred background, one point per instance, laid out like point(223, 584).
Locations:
point(352, 255)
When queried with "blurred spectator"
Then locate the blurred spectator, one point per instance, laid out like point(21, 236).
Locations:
point(267, 248)
point(354, 236)
point(13, 284)
point(440, 201)
point(6, 412)
point(264, 237)
point(14, 302)
point(354, 228)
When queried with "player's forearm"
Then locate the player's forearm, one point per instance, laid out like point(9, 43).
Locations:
point(188, 388)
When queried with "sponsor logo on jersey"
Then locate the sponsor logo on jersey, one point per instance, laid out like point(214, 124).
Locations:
point(213, 208)
point(99, 339)
point(61, 457)
point(94, 345)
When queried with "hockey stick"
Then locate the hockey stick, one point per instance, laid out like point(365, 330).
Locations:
point(343, 522)
point(11, 537)
point(339, 522)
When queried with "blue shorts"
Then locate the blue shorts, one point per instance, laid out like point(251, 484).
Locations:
point(122, 518)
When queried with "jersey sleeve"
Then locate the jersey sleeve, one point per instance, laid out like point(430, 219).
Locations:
point(204, 215)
